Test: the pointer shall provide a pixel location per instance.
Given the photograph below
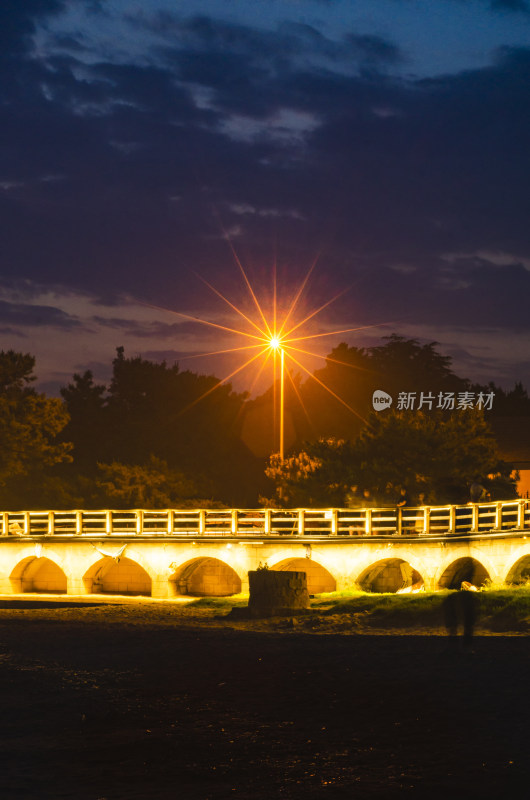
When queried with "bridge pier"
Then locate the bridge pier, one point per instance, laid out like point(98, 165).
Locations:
point(76, 585)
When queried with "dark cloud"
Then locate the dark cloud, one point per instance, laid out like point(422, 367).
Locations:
point(68, 42)
point(157, 330)
point(518, 6)
point(513, 6)
point(36, 316)
point(19, 20)
point(373, 51)
point(169, 356)
point(12, 332)
point(153, 162)
point(233, 57)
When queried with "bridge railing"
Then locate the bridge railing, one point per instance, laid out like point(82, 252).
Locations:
point(414, 521)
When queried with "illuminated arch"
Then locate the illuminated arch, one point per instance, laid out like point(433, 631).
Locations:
point(117, 576)
point(389, 575)
point(318, 578)
point(519, 572)
point(38, 574)
point(462, 569)
point(205, 576)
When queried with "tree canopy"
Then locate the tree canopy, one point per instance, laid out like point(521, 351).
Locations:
point(150, 410)
point(161, 436)
point(30, 425)
point(353, 374)
point(435, 454)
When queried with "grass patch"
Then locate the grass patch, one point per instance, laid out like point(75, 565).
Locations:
point(389, 610)
point(506, 609)
point(497, 609)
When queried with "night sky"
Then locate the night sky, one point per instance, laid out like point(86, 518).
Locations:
point(142, 140)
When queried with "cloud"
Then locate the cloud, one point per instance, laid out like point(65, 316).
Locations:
point(156, 330)
point(36, 316)
point(19, 20)
point(286, 135)
point(516, 6)
point(286, 126)
point(503, 6)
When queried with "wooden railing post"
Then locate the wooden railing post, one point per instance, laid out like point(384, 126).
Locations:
point(334, 521)
point(301, 522)
point(170, 522)
point(234, 524)
point(520, 514)
point(139, 520)
point(268, 520)
point(27, 523)
point(498, 516)
point(78, 523)
point(474, 518)
point(108, 522)
point(51, 523)
point(202, 521)
point(452, 520)
point(368, 522)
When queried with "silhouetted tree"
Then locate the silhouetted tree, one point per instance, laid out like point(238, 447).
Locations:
point(438, 454)
point(30, 425)
point(353, 374)
point(188, 421)
point(88, 426)
point(321, 474)
point(506, 403)
point(435, 453)
point(153, 485)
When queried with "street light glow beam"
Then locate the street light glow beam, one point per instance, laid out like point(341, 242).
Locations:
point(270, 336)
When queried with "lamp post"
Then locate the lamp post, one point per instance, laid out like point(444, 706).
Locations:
point(282, 365)
point(275, 343)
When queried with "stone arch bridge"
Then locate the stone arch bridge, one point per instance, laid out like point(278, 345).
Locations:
point(200, 552)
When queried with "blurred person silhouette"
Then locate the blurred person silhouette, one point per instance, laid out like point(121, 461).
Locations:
point(460, 608)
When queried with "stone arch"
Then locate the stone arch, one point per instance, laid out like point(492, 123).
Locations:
point(38, 574)
point(117, 576)
point(462, 569)
point(205, 576)
point(519, 572)
point(318, 578)
point(389, 575)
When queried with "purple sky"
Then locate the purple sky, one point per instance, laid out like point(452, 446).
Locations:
point(388, 137)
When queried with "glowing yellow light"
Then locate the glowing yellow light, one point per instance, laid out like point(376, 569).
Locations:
point(273, 334)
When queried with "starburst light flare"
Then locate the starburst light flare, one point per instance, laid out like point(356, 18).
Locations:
point(272, 334)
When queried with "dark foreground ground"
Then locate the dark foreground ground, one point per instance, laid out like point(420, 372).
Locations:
point(94, 711)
